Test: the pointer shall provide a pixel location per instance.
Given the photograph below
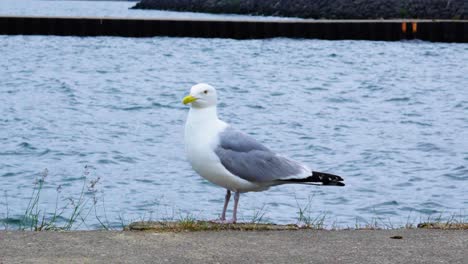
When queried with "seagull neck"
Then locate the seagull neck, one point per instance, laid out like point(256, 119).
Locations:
point(204, 115)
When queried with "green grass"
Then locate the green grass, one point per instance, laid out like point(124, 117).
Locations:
point(440, 222)
point(306, 218)
point(192, 225)
point(70, 215)
point(258, 216)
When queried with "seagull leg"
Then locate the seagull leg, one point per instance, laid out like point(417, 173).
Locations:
point(226, 202)
point(236, 201)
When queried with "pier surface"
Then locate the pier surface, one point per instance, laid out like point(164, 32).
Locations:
point(301, 246)
point(388, 30)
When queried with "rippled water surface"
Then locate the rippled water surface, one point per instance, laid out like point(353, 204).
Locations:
point(103, 9)
point(390, 117)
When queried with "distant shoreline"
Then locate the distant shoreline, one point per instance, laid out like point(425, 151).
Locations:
point(320, 9)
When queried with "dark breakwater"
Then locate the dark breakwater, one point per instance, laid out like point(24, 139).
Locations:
point(439, 31)
point(319, 9)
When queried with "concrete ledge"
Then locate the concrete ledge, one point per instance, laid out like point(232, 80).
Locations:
point(301, 246)
point(388, 30)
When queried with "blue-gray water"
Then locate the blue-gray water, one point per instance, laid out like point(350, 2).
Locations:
point(103, 9)
point(390, 117)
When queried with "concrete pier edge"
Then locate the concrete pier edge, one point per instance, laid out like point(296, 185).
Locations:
point(301, 246)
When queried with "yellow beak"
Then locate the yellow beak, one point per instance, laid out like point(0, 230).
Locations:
point(188, 99)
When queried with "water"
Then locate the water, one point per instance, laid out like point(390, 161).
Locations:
point(104, 9)
point(390, 117)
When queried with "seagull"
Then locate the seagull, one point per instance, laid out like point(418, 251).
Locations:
point(233, 160)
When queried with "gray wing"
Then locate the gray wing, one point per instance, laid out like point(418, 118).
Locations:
point(246, 158)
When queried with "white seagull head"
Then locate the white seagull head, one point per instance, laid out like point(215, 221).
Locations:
point(201, 95)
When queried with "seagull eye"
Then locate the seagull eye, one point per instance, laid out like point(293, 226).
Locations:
point(205, 92)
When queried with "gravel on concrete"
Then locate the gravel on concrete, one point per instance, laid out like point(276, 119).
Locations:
point(302, 246)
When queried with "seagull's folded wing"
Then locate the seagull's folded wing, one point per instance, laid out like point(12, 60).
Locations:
point(246, 158)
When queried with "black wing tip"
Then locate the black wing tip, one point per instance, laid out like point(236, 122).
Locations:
point(320, 177)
